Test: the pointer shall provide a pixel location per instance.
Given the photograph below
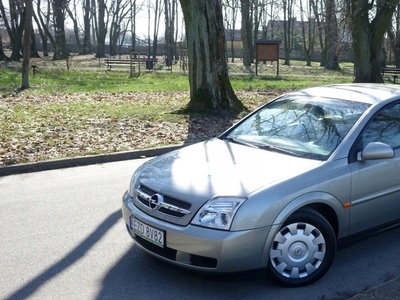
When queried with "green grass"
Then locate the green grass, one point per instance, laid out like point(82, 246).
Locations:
point(50, 81)
point(54, 81)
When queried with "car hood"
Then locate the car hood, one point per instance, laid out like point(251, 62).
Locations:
point(217, 167)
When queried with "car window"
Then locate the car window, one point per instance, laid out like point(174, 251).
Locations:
point(385, 127)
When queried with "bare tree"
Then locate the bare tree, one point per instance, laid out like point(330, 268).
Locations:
point(14, 25)
point(258, 11)
point(119, 10)
point(42, 34)
point(246, 33)
point(102, 29)
point(169, 11)
point(273, 13)
point(394, 36)
point(2, 54)
point(73, 16)
point(210, 87)
point(45, 23)
point(158, 10)
point(94, 30)
point(369, 24)
point(331, 36)
point(288, 23)
point(135, 8)
point(231, 8)
point(86, 48)
point(28, 9)
point(263, 19)
point(317, 6)
point(61, 50)
point(308, 31)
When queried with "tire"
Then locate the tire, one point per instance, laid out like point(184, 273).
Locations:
point(303, 250)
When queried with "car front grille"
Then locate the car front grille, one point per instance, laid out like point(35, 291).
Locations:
point(168, 205)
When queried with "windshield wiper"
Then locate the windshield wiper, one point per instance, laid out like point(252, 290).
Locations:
point(278, 149)
point(237, 141)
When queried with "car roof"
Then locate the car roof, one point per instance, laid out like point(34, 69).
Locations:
point(371, 93)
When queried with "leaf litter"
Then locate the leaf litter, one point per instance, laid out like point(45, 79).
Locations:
point(45, 127)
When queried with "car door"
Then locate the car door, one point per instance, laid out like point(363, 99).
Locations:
point(375, 192)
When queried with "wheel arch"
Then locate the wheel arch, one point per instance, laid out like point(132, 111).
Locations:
point(328, 213)
point(323, 203)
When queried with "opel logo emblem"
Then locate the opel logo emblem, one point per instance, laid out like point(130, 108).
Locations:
point(155, 200)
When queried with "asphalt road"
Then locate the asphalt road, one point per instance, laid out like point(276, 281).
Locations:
point(62, 237)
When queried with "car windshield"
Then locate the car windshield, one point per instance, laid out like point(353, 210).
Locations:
point(298, 125)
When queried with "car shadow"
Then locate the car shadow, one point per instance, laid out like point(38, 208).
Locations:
point(138, 276)
point(359, 267)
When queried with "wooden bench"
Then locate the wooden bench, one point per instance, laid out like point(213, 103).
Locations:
point(393, 72)
point(110, 62)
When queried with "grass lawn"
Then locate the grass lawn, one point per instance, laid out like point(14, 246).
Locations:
point(88, 110)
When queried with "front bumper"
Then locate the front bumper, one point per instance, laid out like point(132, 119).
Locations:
point(200, 248)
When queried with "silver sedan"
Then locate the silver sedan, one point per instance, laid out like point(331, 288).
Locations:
point(281, 190)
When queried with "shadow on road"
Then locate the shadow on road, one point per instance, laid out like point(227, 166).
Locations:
point(139, 276)
point(80, 251)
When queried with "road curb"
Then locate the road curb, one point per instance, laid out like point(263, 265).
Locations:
point(387, 291)
point(84, 160)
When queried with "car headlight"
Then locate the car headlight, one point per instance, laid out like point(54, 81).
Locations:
point(218, 213)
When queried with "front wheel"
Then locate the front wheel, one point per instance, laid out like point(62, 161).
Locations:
point(303, 250)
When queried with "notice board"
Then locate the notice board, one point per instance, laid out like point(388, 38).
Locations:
point(267, 50)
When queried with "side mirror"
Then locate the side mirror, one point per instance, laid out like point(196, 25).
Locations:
point(375, 150)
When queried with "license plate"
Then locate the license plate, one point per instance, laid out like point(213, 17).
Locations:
point(149, 233)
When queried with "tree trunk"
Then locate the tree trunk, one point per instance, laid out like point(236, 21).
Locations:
point(26, 44)
point(210, 87)
point(3, 57)
point(101, 40)
point(42, 35)
point(394, 37)
point(94, 28)
point(156, 26)
point(314, 5)
point(246, 33)
point(309, 34)
point(61, 51)
point(169, 11)
point(231, 8)
point(33, 51)
point(7, 25)
point(15, 27)
point(287, 29)
point(76, 30)
point(167, 34)
point(45, 25)
point(331, 37)
point(86, 21)
point(133, 25)
point(118, 11)
point(368, 37)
